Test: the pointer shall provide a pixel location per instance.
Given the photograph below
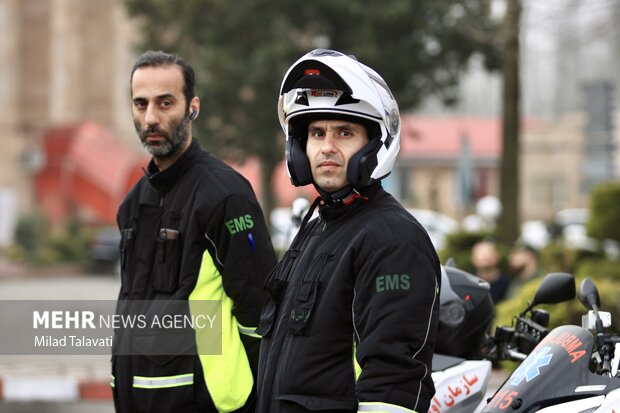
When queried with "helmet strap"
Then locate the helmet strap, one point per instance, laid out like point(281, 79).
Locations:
point(310, 211)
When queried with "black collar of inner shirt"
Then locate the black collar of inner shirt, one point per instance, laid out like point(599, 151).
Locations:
point(164, 180)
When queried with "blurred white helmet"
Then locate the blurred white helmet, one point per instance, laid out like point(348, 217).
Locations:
point(326, 84)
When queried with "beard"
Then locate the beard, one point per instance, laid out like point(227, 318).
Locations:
point(173, 138)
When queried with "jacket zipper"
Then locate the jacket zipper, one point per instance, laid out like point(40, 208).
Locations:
point(323, 222)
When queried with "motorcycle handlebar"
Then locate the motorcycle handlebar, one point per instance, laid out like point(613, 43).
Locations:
point(515, 343)
point(515, 355)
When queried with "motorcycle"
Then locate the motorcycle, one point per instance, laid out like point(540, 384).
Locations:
point(465, 352)
point(573, 369)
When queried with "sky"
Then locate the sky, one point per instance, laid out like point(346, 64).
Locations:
point(564, 43)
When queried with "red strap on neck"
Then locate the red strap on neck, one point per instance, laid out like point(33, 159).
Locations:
point(352, 198)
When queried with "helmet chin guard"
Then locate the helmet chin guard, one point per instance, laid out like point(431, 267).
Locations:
point(326, 84)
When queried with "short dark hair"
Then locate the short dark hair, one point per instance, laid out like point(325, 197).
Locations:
point(158, 59)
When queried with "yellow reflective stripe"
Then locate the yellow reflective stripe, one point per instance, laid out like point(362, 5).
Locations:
point(356, 366)
point(379, 407)
point(163, 382)
point(228, 375)
point(112, 380)
point(248, 331)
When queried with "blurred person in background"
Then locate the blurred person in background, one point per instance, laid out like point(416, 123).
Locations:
point(354, 305)
point(485, 258)
point(192, 230)
point(523, 265)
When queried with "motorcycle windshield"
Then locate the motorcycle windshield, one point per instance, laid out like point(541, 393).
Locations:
point(557, 369)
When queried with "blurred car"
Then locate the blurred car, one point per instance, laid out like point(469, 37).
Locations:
point(437, 225)
point(285, 223)
point(104, 250)
point(281, 227)
point(535, 233)
point(572, 216)
point(572, 224)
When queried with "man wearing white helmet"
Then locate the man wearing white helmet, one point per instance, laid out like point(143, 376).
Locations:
point(353, 312)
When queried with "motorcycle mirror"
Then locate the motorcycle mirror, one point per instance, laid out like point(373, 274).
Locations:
point(588, 294)
point(556, 287)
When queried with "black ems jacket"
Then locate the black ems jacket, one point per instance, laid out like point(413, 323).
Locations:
point(353, 312)
point(193, 232)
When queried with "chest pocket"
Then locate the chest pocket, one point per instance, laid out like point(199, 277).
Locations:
point(307, 293)
point(276, 284)
point(168, 254)
point(128, 240)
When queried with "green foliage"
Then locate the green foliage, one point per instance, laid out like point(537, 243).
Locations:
point(604, 221)
point(37, 244)
point(241, 51)
point(15, 253)
point(47, 256)
point(31, 232)
point(68, 247)
point(556, 258)
point(599, 268)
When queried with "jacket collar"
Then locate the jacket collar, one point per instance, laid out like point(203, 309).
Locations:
point(332, 211)
point(164, 180)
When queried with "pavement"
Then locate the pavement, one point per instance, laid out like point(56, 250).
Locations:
point(55, 383)
point(498, 377)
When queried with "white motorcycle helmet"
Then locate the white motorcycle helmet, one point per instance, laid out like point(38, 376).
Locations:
point(326, 84)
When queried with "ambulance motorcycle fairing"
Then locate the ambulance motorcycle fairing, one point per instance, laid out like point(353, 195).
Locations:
point(464, 350)
point(572, 370)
